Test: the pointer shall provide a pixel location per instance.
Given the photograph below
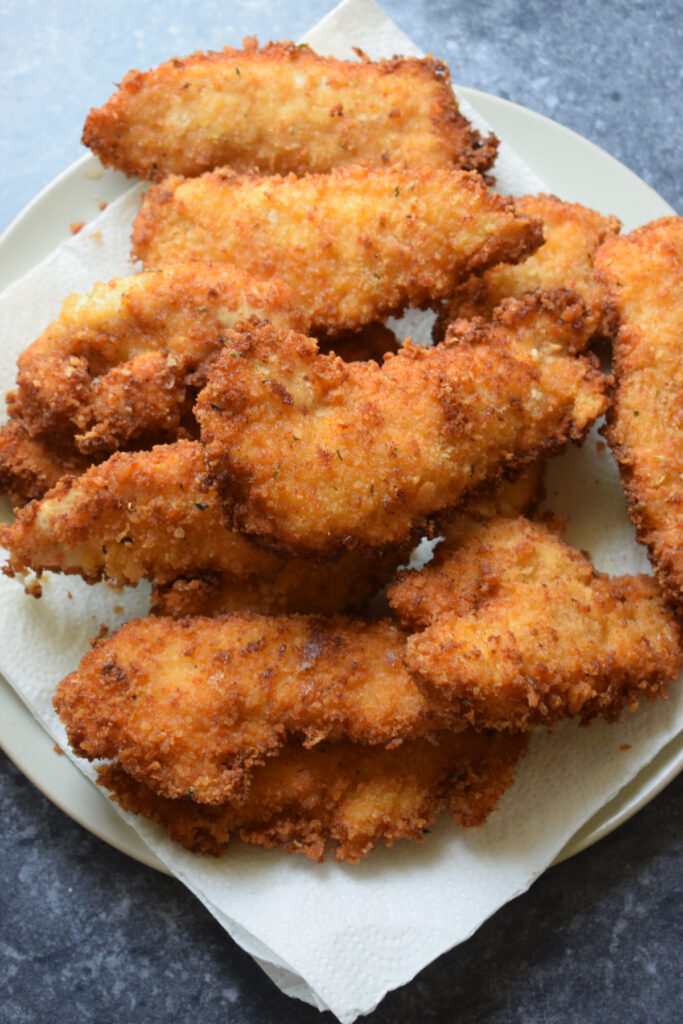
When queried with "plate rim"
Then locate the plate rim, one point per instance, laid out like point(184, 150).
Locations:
point(112, 828)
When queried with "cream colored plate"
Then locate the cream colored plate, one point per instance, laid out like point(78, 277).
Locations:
point(572, 167)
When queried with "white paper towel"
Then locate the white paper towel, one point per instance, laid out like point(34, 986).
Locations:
point(341, 936)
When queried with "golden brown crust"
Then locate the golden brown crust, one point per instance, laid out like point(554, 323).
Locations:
point(293, 585)
point(375, 451)
point(572, 235)
point(643, 274)
point(340, 795)
point(283, 109)
point(521, 631)
point(356, 245)
point(138, 515)
point(518, 494)
point(155, 515)
point(118, 364)
point(191, 706)
point(30, 467)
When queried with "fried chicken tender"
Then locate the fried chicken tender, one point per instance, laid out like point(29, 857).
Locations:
point(643, 274)
point(520, 631)
point(341, 794)
point(317, 455)
point(116, 363)
point(30, 467)
point(155, 515)
point(190, 707)
point(292, 585)
point(282, 109)
point(356, 245)
point(572, 235)
point(519, 495)
point(138, 515)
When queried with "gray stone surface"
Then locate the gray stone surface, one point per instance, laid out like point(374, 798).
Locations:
point(88, 935)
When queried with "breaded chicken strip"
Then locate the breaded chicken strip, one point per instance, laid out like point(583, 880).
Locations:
point(517, 496)
point(282, 109)
point(155, 515)
point(292, 585)
point(520, 631)
point(317, 455)
point(356, 245)
point(116, 363)
point(305, 585)
point(30, 467)
point(643, 274)
point(190, 707)
point(340, 794)
point(572, 235)
point(138, 515)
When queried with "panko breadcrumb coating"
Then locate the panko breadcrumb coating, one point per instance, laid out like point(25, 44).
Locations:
point(643, 275)
point(117, 363)
point(572, 234)
point(520, 631)
point(155, 515)
point(30, 467)
point(356, 245)
point(519, 495)
point(341, 795)
point(283, 109)
point(150, 514)
point(317, 455)
point(190, 707)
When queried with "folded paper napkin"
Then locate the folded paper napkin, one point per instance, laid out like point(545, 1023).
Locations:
point(341, 936)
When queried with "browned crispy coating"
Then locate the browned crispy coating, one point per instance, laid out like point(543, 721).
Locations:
point(282, 109)
point(520, 631)
point(191, 706)
point(317, 454)
point(340, 794)
point(643, 274)
point(371, 342)
point(116, 364)
point(301, 584)
point(519, 495)
point(29, 467)
point(356, 245)
point(138, 515)
point(572, 235)
point(155, 515)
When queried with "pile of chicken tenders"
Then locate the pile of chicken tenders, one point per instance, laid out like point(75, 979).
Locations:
point(239, 425)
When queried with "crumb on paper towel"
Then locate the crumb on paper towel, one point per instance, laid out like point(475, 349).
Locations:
point(76, 226)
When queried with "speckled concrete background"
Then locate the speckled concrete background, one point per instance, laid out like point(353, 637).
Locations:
point(88, 935)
